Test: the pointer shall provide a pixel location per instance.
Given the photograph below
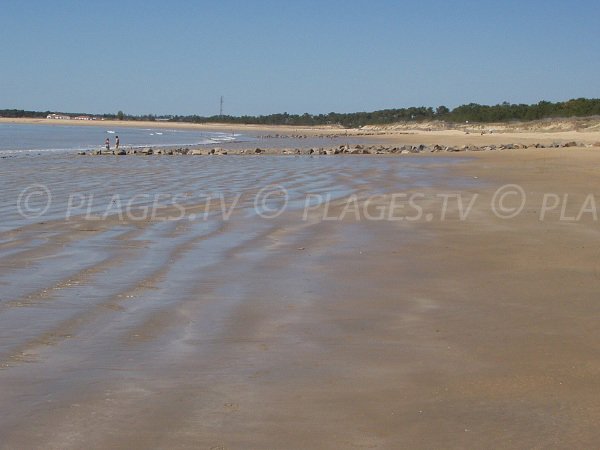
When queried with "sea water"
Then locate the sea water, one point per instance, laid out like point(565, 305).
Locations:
point(21, 138)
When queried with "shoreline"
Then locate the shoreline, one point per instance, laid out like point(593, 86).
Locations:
point(460, 134)
point(175, 125)
point(287, 140)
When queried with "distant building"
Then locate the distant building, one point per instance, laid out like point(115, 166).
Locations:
point(58, 116)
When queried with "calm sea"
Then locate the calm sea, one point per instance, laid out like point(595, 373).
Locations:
point(19, 138)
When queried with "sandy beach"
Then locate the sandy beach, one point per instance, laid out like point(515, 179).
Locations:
point(428, 301)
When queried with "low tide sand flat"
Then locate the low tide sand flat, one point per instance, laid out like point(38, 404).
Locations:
point(226, 326)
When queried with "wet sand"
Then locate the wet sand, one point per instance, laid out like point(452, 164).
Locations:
point(313, 329)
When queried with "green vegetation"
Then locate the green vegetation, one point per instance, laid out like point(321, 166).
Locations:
point(472, 112)
point(18, 113)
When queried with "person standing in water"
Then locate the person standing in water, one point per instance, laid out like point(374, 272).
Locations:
point(117, 144)
point(107, 144)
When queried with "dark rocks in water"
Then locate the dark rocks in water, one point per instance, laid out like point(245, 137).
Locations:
point(359, 149)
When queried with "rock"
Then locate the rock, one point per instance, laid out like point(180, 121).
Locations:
point(196, 152)
point(81, 153)
point(258, 150)
point(570, 144)
point(97, 152)
point(121, 152)
point(596, 144)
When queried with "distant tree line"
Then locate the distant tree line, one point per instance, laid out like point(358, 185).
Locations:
point(472, 112)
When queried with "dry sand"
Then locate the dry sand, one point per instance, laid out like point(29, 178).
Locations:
point(292, 333)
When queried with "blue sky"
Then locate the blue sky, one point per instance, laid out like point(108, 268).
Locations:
point(179, 57)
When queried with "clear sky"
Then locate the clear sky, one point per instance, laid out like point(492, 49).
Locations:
point(179, 57)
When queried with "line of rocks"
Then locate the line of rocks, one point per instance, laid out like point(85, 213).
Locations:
point(342, 149)
point(298, 136)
